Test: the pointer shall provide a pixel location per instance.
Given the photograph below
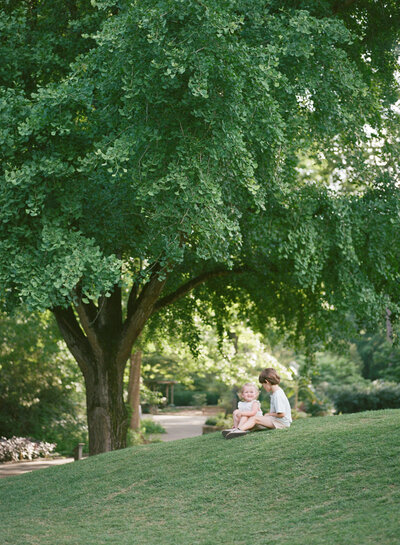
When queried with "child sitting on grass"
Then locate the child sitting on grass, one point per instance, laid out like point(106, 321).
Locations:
point(279, 416)
point(249, 407)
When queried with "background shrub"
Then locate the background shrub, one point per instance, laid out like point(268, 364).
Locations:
point(149, 426)
point(199, 399)
point(42, 393)
point(357, 398)
point(318, 407)
point(220, 420)
point(142, 437)
point(21, 448)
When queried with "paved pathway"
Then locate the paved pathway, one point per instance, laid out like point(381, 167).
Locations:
point(177, 426)
point(9, 469)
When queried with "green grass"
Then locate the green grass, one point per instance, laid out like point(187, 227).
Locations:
point(332, 480)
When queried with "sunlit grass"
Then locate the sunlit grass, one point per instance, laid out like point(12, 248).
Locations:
point(333, 480)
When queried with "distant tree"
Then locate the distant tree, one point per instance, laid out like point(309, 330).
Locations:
point(41, 390)
point(380, 358)
point(166, 160)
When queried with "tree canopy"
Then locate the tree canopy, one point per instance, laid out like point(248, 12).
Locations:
point(165, 160)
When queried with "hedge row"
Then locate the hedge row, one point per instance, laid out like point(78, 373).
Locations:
point(354, 399)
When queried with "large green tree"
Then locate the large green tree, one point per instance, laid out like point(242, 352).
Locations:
point(164, 162)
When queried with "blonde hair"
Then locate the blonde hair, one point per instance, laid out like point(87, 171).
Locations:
point(248, 384)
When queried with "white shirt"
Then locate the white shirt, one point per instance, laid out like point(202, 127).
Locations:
point(280, 404)
point(248, 406)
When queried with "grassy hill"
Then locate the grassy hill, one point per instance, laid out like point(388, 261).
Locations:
point(325, 481)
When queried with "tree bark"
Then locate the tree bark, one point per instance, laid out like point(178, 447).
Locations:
point(389, 327)
point(106, 412)
point(103, 374)
point(134, 389)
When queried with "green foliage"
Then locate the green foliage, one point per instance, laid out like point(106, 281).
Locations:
point(41, 39)
point(149, 397)
point(338, 370)
point(220, 363)
point(199, 399)
point(299, 387)
point(149, 426)
point(378, 395)
point(380, 358)
point(184, 124)
point(317, 407)
point(220, 420)
point(41, 391)
point(183, 396)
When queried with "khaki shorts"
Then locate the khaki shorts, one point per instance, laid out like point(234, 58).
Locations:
point(279, 425)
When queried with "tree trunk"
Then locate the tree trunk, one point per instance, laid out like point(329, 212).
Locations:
point(101, 344)
point(134, 389)
point(106, 412)
point(389, 327)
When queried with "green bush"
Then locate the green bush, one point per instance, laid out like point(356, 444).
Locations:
point(41, 388)
point(53, 418)
point(142, 437)
point(183, 398)
point(199, 399)
point(317, 407)
point(297, 414)
point(149, 426)
point(219, 420)
point(357, 398)
point(134, 438)
point(212, 398)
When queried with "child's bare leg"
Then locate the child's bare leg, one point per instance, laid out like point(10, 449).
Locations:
point(265, 421)
point(249, 423)
point(242, 422)
point(236, 418)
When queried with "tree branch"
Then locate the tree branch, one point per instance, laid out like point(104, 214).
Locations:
point(193, 283)
point(88, 322)
point(110, 311)
point(143, 309)
point(132, 300)
point(73, 335)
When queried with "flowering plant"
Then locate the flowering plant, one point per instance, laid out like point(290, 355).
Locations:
point(21, 448)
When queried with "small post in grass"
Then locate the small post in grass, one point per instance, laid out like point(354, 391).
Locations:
point(78, 451)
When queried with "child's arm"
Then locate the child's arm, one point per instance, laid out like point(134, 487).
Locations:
point(277, 415)
point(255, 407)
